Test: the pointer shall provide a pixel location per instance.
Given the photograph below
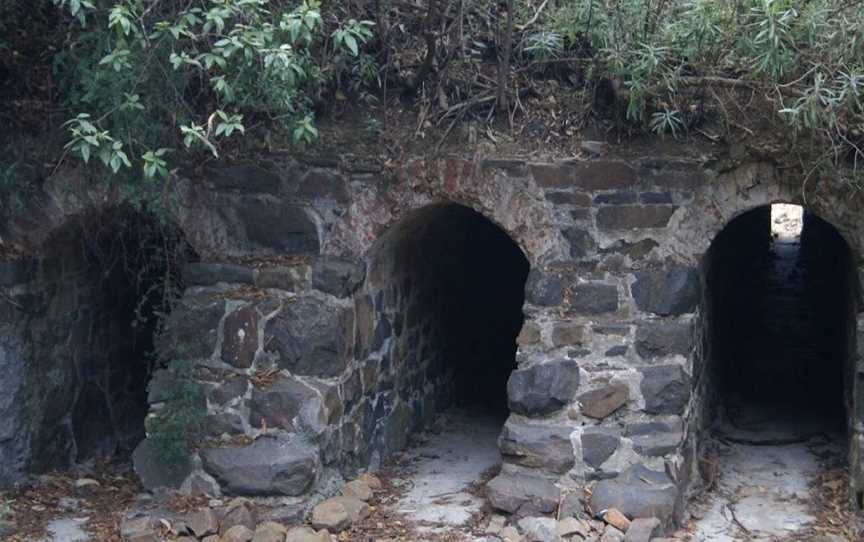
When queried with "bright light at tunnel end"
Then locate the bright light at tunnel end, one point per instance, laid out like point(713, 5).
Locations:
point(787, 221)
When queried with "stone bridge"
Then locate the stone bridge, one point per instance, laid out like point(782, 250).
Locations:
point(331, 307)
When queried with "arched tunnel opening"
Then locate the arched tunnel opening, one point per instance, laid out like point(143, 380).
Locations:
point(107, 279)
point(452, 283)
point(781, 294)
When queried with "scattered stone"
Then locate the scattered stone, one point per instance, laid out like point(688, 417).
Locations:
point(138, 529)
point(203, 522)
point(269, 531)
point(538, 529)
point(358, 490)
point(638, 492)
point(339, 513)
point(543, 388)
point(611, 534)
point(602, 402)
point(239, 512)
point(571, 526)
point(522, 494)
point(543, 446)
point(669, 292)
point(237, 533)
point(269, 466)
point(496, 524)
point(666, 389)
point(510, 534)
point(305, 534)
point(370, 480)
point(642, 530)
point(615, 518)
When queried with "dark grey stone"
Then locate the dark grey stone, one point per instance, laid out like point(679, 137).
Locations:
point(522, 494)
point(666, 389)
point(541, 446)
point(282, 278)
point(660, 339)
point(148, 459)
point(14, 272)
point(283, 227)
point(643, 530)
point(337, 276)
point(569, 198)
point(228, 390)
point(17, 407)
point(656, 197)
point(669, 292)
point(615, 198)
point(309, 337)
point(267, 467)
point(638, 492)
point(284, 404)
point(572, 507)
point(619, 350)
point(542, 289)
point(655, 439)
point(581, 242)
point(629, 217)
point(323, 184)
point(543, 388)
point(598, 445)
point(590, 299)
point(191, 329)
point(246, 178)
point(208, 274)
point(382, 332)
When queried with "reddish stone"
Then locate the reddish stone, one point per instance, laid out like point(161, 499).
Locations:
point(240, 338)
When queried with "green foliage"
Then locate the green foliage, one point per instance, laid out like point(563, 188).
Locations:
point(176, 427)
point(152, 81)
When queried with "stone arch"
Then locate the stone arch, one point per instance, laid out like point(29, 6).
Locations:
point(445, 289)
point(96, 288)
point(778, 325)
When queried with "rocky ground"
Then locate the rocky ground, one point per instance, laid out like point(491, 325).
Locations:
point(434, 492)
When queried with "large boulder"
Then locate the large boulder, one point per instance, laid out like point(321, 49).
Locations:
point(541, 446)
point(269, 466)
point(544, 388)
point(310, 337)
point(522, 494)
point(638, 492)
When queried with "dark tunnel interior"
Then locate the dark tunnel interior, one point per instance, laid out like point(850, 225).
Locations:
point(464, 278)
point(780, 313)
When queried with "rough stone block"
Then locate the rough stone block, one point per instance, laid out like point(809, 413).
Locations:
point(268, 466)
point(323, 184)
point(668, 292)
point(602, 402)
point(660, 339)
point(642, 530)
point(615, 198)
point(310, 338)
point(569, 198)
point(588, 299)
point(522, 494)
point(153, 471)
point(598, 445)
point(603, 174)
point(638, 492)
point(541, 446)
point(288, 404)
point(208, 274)
point(282, 227)
point(281, 278)
point(543, 388)
point(655, 439)
point(539, 529)
point(666, 389)
point(566, 334)
point(656, 197)
point(246, 178)
point(581, 242)
point(337, 276)
point(229, 389)
point(543, 289)
point(191, 329)
point(631, 217)
point(240, 337)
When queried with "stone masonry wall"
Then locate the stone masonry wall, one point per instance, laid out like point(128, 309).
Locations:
point(283, 334)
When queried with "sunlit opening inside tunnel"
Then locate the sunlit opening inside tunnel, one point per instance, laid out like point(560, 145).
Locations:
point(781, 293)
